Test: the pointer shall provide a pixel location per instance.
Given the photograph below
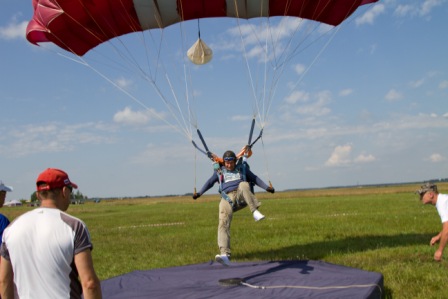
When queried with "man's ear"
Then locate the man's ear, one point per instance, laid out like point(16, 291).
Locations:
point(39, 197)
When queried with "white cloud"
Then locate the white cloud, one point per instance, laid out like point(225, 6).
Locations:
point(53, 137)
point(299, 68)
point(364, 158)
point(369, 16)
point(417, 83)
point(436, 158)
point(13, 30)
point(443, 84)
point(129, 117)
point(340, 156)
point(123, 82)
point(346, 92)
point(417, 9)
point(168, 156)
point(241, 117)
point(445, 115)
point(428, 5)
point(297, 96)
point(317, 107)
point(393, 95)
point(404, 10)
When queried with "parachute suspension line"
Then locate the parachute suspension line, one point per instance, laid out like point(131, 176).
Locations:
point(266, 60)
point(133, 64)
point(251, 82)
point(179, 116)
point(191, 115)
point(178, 128)
point(130, 22)
point(267, 98)
point(262, 101)
point(314, 60)
point(266, 162)
point(260, 105)
point(281, 58)
point(195, 171)
point(256, 98)
point(192, 118)
point(153, 78)
point(133, 98)
point(83, 62)
point(171, 106)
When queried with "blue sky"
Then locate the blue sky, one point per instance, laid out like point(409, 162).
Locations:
point(371, 106)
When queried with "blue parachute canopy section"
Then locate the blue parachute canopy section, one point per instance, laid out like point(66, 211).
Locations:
point(279, 279)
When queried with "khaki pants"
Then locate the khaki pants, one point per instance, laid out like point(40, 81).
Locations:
point(242, 194)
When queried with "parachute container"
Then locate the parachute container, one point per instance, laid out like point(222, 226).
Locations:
point(200, 53)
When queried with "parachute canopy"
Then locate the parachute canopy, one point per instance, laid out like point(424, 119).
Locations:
point(79, 26)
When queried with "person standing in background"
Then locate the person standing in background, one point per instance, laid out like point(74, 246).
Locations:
point(4, 222)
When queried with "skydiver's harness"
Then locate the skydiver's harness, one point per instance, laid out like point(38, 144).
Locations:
point(241, 166)
point(241, 163)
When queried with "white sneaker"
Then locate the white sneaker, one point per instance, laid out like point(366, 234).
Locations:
point(223, 259)
point(257, 215)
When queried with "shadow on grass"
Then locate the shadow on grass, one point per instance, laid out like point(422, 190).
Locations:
point(319, 250)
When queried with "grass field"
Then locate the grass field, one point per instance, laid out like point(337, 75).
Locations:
point(381, 229)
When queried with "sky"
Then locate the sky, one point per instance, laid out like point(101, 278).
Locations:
point(367, 104)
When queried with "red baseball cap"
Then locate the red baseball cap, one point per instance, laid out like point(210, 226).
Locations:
point(53, 178)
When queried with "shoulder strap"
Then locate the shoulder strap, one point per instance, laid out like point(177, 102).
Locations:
point(219, 172)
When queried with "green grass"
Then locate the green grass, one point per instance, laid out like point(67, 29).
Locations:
point(385, 230)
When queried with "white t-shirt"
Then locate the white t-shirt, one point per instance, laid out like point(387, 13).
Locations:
point(41, 245)
point(442, 206)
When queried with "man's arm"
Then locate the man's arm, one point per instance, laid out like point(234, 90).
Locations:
point(435, 239)
point(6, 279)
point(251, 177)
point(91, 286)
point(210, 182)
point(442, 242)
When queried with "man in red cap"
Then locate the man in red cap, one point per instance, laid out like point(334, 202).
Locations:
point(46, 252)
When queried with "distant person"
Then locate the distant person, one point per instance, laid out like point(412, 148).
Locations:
point(430, 195)
point(236, 193)
point(46, 252)
point(4, 222)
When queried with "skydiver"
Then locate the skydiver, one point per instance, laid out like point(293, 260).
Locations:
point(235, 194)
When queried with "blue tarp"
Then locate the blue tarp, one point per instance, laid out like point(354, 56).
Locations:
point(268, 279)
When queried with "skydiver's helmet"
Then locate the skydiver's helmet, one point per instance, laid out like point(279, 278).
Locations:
point(229, 156)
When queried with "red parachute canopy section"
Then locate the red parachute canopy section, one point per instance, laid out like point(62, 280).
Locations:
point(80, 25)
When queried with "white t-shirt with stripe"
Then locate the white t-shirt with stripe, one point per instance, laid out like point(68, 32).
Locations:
point(41, 245)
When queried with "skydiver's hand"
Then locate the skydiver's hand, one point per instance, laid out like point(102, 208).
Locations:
point(196, 195)
point(270, 190)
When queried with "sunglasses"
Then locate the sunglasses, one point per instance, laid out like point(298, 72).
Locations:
point(229, 159)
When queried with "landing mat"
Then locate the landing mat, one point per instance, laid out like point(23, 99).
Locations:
point(264, 279)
